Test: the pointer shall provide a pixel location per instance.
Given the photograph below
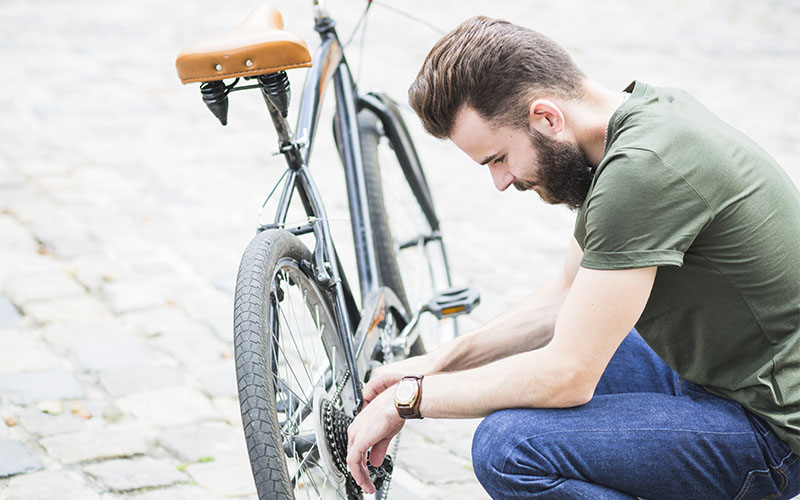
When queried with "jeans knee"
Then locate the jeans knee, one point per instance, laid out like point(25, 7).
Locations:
point(490, 447)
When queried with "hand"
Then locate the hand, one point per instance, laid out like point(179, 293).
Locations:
point(387, 376)
point(373, 428)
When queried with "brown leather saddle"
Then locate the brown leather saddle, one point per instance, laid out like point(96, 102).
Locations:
point(257, 46)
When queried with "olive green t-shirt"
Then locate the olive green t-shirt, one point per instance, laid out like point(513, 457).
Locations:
point(681, 190)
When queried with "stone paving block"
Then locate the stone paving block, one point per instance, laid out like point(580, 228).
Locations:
point(29, 387)
point(121, 475)
point(455, 435)
point(196, 347)
point(16, 237)
point(20, 351)
point(10, 177)
point(14, 262)
point(67, 309)
point(43, 424)
point(168, 407)
point(83, 331)
point(97, 443)
point(95, 269)
point(122, 381)
point(229, 476)
point(16, 459)
point(110, 353)
point(9, 315)
point(124, 296)
point(167, 320)
point(49, 485)
point(63, 236)
point(183, 492)
point(213, 439)
point(462, 491)
point(431, 466)
point(24, 287)
point(219, 380)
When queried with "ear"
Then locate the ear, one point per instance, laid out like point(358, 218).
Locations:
point(546, 117)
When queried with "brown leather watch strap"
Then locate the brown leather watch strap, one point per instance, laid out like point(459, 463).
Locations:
point(411, 410)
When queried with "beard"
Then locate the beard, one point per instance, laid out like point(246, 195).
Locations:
point(564, 175)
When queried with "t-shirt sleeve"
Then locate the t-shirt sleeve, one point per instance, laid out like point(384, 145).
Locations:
point(640, 213)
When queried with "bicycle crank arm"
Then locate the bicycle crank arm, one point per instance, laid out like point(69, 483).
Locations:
point(382, 308)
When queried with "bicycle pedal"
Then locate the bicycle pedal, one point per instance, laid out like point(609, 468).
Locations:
point(454, 302)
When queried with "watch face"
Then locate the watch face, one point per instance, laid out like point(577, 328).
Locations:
point(405, 392)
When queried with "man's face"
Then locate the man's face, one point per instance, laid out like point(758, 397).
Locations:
point(527, 159)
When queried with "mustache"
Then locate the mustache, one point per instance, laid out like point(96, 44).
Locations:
point(523, 185)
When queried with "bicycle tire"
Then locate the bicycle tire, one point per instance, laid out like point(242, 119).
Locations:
point(395, 270)
point(271, 266)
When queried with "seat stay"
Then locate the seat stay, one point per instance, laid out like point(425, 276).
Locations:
point(325, 62)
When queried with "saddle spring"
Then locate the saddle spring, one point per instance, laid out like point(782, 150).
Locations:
point(275, 87)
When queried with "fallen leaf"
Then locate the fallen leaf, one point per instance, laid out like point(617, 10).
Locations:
point(79, 410)
point(11, 421)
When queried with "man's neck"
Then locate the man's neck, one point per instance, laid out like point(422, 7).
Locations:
point(590, 117)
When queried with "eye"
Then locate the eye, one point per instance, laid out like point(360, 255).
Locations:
point(499, 160)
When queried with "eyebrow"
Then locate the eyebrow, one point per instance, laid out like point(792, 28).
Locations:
point(489, 158)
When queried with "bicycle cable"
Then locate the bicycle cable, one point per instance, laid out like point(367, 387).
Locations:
point(410, 16)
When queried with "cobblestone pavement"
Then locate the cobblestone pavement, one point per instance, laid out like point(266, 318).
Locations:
point(124, 208)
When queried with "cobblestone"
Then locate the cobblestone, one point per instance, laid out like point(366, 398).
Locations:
point(9, 316)
point(42, 424)
point(208, 440)
point(48, 485)
point(25, 288)
point(124, 209)
point(29, 387)
point(96, 443)
point(16, 459)
point(168, 407)
point(226, 478)
point(127, 475)
point(110, 353)
point(175, 493)
point(124, 380)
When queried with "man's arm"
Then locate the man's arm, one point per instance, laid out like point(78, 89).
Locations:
point(527, 325)
point(598, 312)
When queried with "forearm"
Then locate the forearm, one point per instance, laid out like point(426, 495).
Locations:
point(526, 326)
point(535, 379)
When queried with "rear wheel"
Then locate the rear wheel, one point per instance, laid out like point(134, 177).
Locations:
point(291, 372)
point(411, 253)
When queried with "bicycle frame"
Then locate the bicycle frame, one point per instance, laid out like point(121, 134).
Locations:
point(329, 65)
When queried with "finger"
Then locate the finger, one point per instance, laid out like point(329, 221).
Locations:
point(379, 384)
point(378, 451)
point(357, 462)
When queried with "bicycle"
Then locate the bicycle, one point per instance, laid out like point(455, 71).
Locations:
point(303, 347)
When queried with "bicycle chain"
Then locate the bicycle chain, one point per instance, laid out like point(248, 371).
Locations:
point(335, 423)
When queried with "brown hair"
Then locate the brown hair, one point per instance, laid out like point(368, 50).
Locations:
point(492, 66)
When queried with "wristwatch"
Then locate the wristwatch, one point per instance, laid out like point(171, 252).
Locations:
point(408, 395)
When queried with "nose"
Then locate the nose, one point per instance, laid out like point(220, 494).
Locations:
point(501, 176)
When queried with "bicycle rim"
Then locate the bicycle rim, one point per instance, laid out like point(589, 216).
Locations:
point(302, 363)
point(287, 349)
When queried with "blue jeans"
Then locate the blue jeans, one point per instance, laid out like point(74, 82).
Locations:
point(647, 433)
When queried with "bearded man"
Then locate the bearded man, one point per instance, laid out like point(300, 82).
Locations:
point(685, 230)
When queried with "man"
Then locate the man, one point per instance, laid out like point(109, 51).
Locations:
point(685, 229)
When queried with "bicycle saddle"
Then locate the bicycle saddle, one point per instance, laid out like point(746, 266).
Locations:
point(256, 47)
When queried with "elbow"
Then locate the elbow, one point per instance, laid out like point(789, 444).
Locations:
point(577, 389)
